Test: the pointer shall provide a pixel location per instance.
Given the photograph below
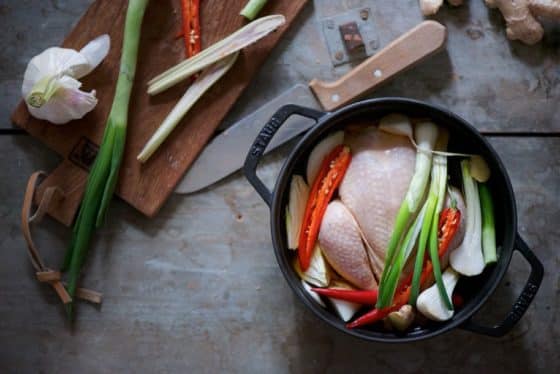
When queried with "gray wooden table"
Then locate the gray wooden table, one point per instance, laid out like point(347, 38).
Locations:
point(197, 288)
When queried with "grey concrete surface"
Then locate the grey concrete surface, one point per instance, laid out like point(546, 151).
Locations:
point(197, 288)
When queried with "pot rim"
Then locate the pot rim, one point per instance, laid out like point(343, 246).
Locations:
point(322, 126)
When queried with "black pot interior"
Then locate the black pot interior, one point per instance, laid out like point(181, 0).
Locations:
point(463, 138)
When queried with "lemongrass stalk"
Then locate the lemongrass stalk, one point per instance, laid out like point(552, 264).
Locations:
point(104, 173)
point(191, 96)
point(252, 9)
point(231, 44)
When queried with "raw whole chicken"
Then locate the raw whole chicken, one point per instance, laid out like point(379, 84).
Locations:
point(370, 195)
point(356, 229)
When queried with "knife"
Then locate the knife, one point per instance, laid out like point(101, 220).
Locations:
point(226, 153)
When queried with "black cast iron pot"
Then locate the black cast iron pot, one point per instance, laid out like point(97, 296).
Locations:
point(463, 138)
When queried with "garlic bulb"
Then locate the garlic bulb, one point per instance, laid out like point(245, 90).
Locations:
point(51, 88)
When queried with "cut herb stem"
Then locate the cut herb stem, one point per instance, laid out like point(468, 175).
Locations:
point(252, 9)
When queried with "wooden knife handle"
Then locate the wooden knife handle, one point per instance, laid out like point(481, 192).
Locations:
point(402, 53)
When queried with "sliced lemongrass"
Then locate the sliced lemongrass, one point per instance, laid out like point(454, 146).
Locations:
point(240, 39)
point(295, 210)
point(319, 152)
point(191, 96)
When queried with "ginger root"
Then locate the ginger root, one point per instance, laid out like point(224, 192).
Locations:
point(520, 17)
point(430, 7)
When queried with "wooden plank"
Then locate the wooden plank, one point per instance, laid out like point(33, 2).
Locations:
point(197, 288)
point(147, 186)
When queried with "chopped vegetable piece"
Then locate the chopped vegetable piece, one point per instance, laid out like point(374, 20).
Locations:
point(431, 304)
point(488, 226)
point(344, 309)
point(313, 295)
point(479, 169)
point(372, 316)
point(104, 173)
point(252, 8)
point(195, 28)
point(299, 194)
point(186, 13)
point(467, 259)
point(233, 43)
point(364, 297)
point(191, 96)
point(318, 154)
point(457, 300)
point(396, 124)
point(332, 171)
point(319, 273)
point(402, 318)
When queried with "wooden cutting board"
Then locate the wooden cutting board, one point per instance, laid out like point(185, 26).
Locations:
point(146, 187)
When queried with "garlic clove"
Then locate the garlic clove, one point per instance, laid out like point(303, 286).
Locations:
point(94, 52)
point(68, 103)
point(50, 87)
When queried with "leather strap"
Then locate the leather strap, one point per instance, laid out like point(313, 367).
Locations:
point(44, 273)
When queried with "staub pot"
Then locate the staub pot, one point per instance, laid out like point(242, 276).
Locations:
point(463, 138)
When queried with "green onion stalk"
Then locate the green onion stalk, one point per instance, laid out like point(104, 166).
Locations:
point(430, 227)
point(252, 9)
point(104, 173)
point(426, 135)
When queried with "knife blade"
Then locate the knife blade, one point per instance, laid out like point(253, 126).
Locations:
point(226, 152)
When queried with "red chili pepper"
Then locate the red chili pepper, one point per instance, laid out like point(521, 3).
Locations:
point(330, 175)
point(372, 316)
point(457, 300)
point(448, 225)
point(186, 13)
point(190, 11)
point(195, 27)
point(368, 297)
point(449, 220)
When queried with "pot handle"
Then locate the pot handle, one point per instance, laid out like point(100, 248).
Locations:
point(265, 136)
point(523, 301)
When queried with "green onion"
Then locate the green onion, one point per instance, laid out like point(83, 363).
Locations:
point(424, 234)
point(430, 227)
point(426, 136)
point(390, 285)
point(104, 173)
point(433, 245)
point(488, 226)
point(467, 258)
point(252, 8)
